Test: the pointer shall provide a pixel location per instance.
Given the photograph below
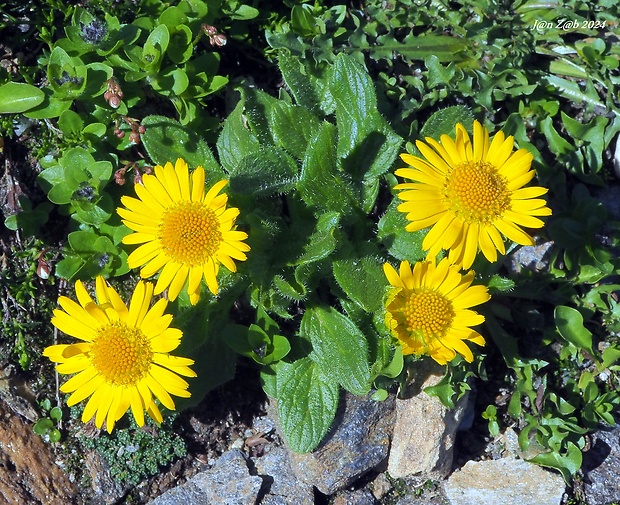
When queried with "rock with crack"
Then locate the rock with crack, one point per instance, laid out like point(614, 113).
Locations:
point(357, 442)
point(424, 431)
point(28, 471)
point(280, 484)
point(228, 483)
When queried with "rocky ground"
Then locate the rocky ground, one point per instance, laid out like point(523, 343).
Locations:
point(403, 451)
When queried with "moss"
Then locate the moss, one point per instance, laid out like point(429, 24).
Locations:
point(134, 453)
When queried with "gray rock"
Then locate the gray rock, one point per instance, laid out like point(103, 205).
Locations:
point(106, 489)
point(358, 497)
point(424, 431)
point(183, 495)
point(357, 442)
point(601, 467)
point(281, 485)
point(227, 483)
point(508, 481)
point(534, 258)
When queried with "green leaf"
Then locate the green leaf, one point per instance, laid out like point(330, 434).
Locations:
point(567, 463)
point(173, 17)
point(319, 184)
point(68, 267)
point(170, 82)
point(67, 76)
point(56, 414)
point(244, 12)
point(395, 366)
point(264, 172)
point(571, 90)
point(101, 170)
point(18, 97)
point(443, 122)
point(309, 86)
point(500, 284)
point(52, 106)
point(302, 20)
point(70, 123)
point(95, 129)
point(166, 140)
point(204, 331)
point(29, 220)
point(42, 426)
point(363, 281)
point(257, 109)
point(610, 356)
point(323, 241)
point(89, 241)
point(400, 243)
point(181, 48)
point(413, 47)
point(339, 347)
point(367, 145)
point(438, 75)
point(155, 47)
point(54, 435)
point(293, 127)
point(591, 135)
point(94, 214)
point(307, 403)
point(235, 140)
point(61, 194)
point(569, 323)
point(97, 75)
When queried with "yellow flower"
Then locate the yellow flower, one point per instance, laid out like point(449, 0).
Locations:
point(184, 232)
point(427, 309)
point(122, 360)
point(470, 192)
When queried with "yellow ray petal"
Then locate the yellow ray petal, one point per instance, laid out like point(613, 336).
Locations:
point(158, 390)
point(166, 276)
point(85, 391)
point(154, 266)
point(77, 381)
point(214, 190)
point(182, 172)
point(513, 232)
point(137, 406)
point(198, 184)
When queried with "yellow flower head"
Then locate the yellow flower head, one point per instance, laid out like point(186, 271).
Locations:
point(469, 192)
point(122, 360)
point(185, 232)
point(427, 309)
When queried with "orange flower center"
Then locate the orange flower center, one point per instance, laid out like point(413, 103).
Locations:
point(189, 233)
point(427, 314)
point(121, 354)
point(477, 193)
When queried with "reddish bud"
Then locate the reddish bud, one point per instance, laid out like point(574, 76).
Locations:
point(218, 40)
point(114, 101)
point(43, 268)
point(209, 30)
